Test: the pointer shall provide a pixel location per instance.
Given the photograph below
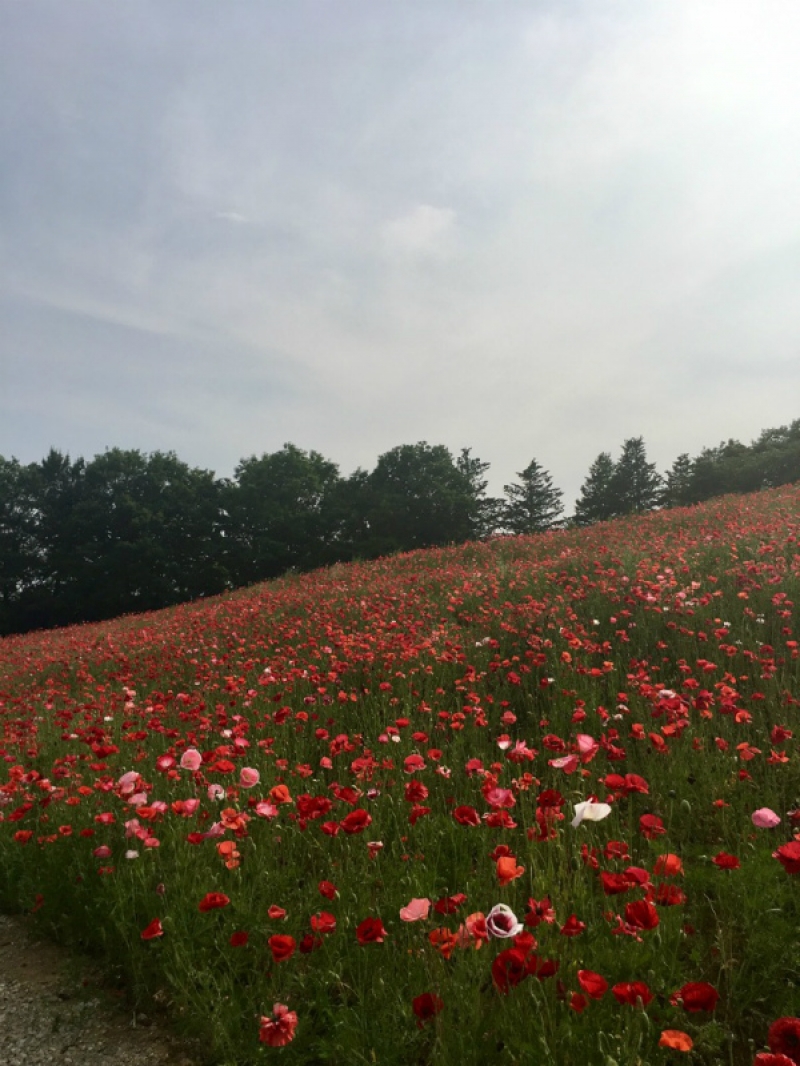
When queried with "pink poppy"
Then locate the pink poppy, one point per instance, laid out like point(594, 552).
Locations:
point(191, 760)
point(764, 818)
point(248, 777)
point(416, 910)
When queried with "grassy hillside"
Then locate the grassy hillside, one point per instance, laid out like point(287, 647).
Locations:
point(536, 800)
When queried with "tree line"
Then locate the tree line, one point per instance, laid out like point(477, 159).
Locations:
point(127, 532)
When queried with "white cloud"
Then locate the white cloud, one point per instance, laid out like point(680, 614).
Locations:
point(424, 230)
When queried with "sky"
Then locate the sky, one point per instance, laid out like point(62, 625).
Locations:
point(534, 229)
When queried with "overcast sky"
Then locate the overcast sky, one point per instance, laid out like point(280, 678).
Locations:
point(534, 229)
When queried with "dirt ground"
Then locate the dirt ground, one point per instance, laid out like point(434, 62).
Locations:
point(57, 1008)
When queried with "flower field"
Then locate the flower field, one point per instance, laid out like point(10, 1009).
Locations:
point(530, 800)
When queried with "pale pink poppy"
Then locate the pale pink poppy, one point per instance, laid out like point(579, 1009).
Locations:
point(249, 777)
point(416, 910)
point(500, 797)
point(215, 792)
point(266, 810)
point(191, 760)
point(567, 763)
point(764, 818)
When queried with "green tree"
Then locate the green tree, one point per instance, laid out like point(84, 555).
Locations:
point(595, 503)
point(635, 487)
point(533, 504)
point(278, 506)
point(146, 532)
point(417, 498)
point(678, 483)
point(19, 555)
point(776, 455)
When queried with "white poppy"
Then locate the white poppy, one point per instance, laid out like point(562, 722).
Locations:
point(590, 812)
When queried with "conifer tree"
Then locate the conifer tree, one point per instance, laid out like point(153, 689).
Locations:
point(636, 487)
point(533, 505)
point(595, 503)
point(678, 483)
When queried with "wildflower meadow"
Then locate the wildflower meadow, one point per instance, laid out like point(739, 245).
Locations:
point(532, 800)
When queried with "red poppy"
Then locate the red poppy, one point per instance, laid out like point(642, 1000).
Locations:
point(641, 914)
point(444, 940)
point(507, 869)
point(765, 1058)
point(676, 1039)
point(651, 826)
point(239, 939)
point(784, 1038)
point(695, 996)
point(426, 1006)
point(327, 889)
point(356, 821)
point(278, 1030)
point(324, 922)
point(282, 947)
point(670, 895)
point(788, 855)
point(572, 926)
point(634, 993)
point(449, 904)
point(541, 969)
point(153, 930)
point(593, 984)
point(213, 901)
point(309, 943)
point(726, 862)
point(508, 969)
point(614, 884)
point(539, 911)
point(467, 816)
point(416, 792)
point(668, 865)
point(371, 931)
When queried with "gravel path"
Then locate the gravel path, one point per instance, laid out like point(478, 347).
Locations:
point(52, 1013)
